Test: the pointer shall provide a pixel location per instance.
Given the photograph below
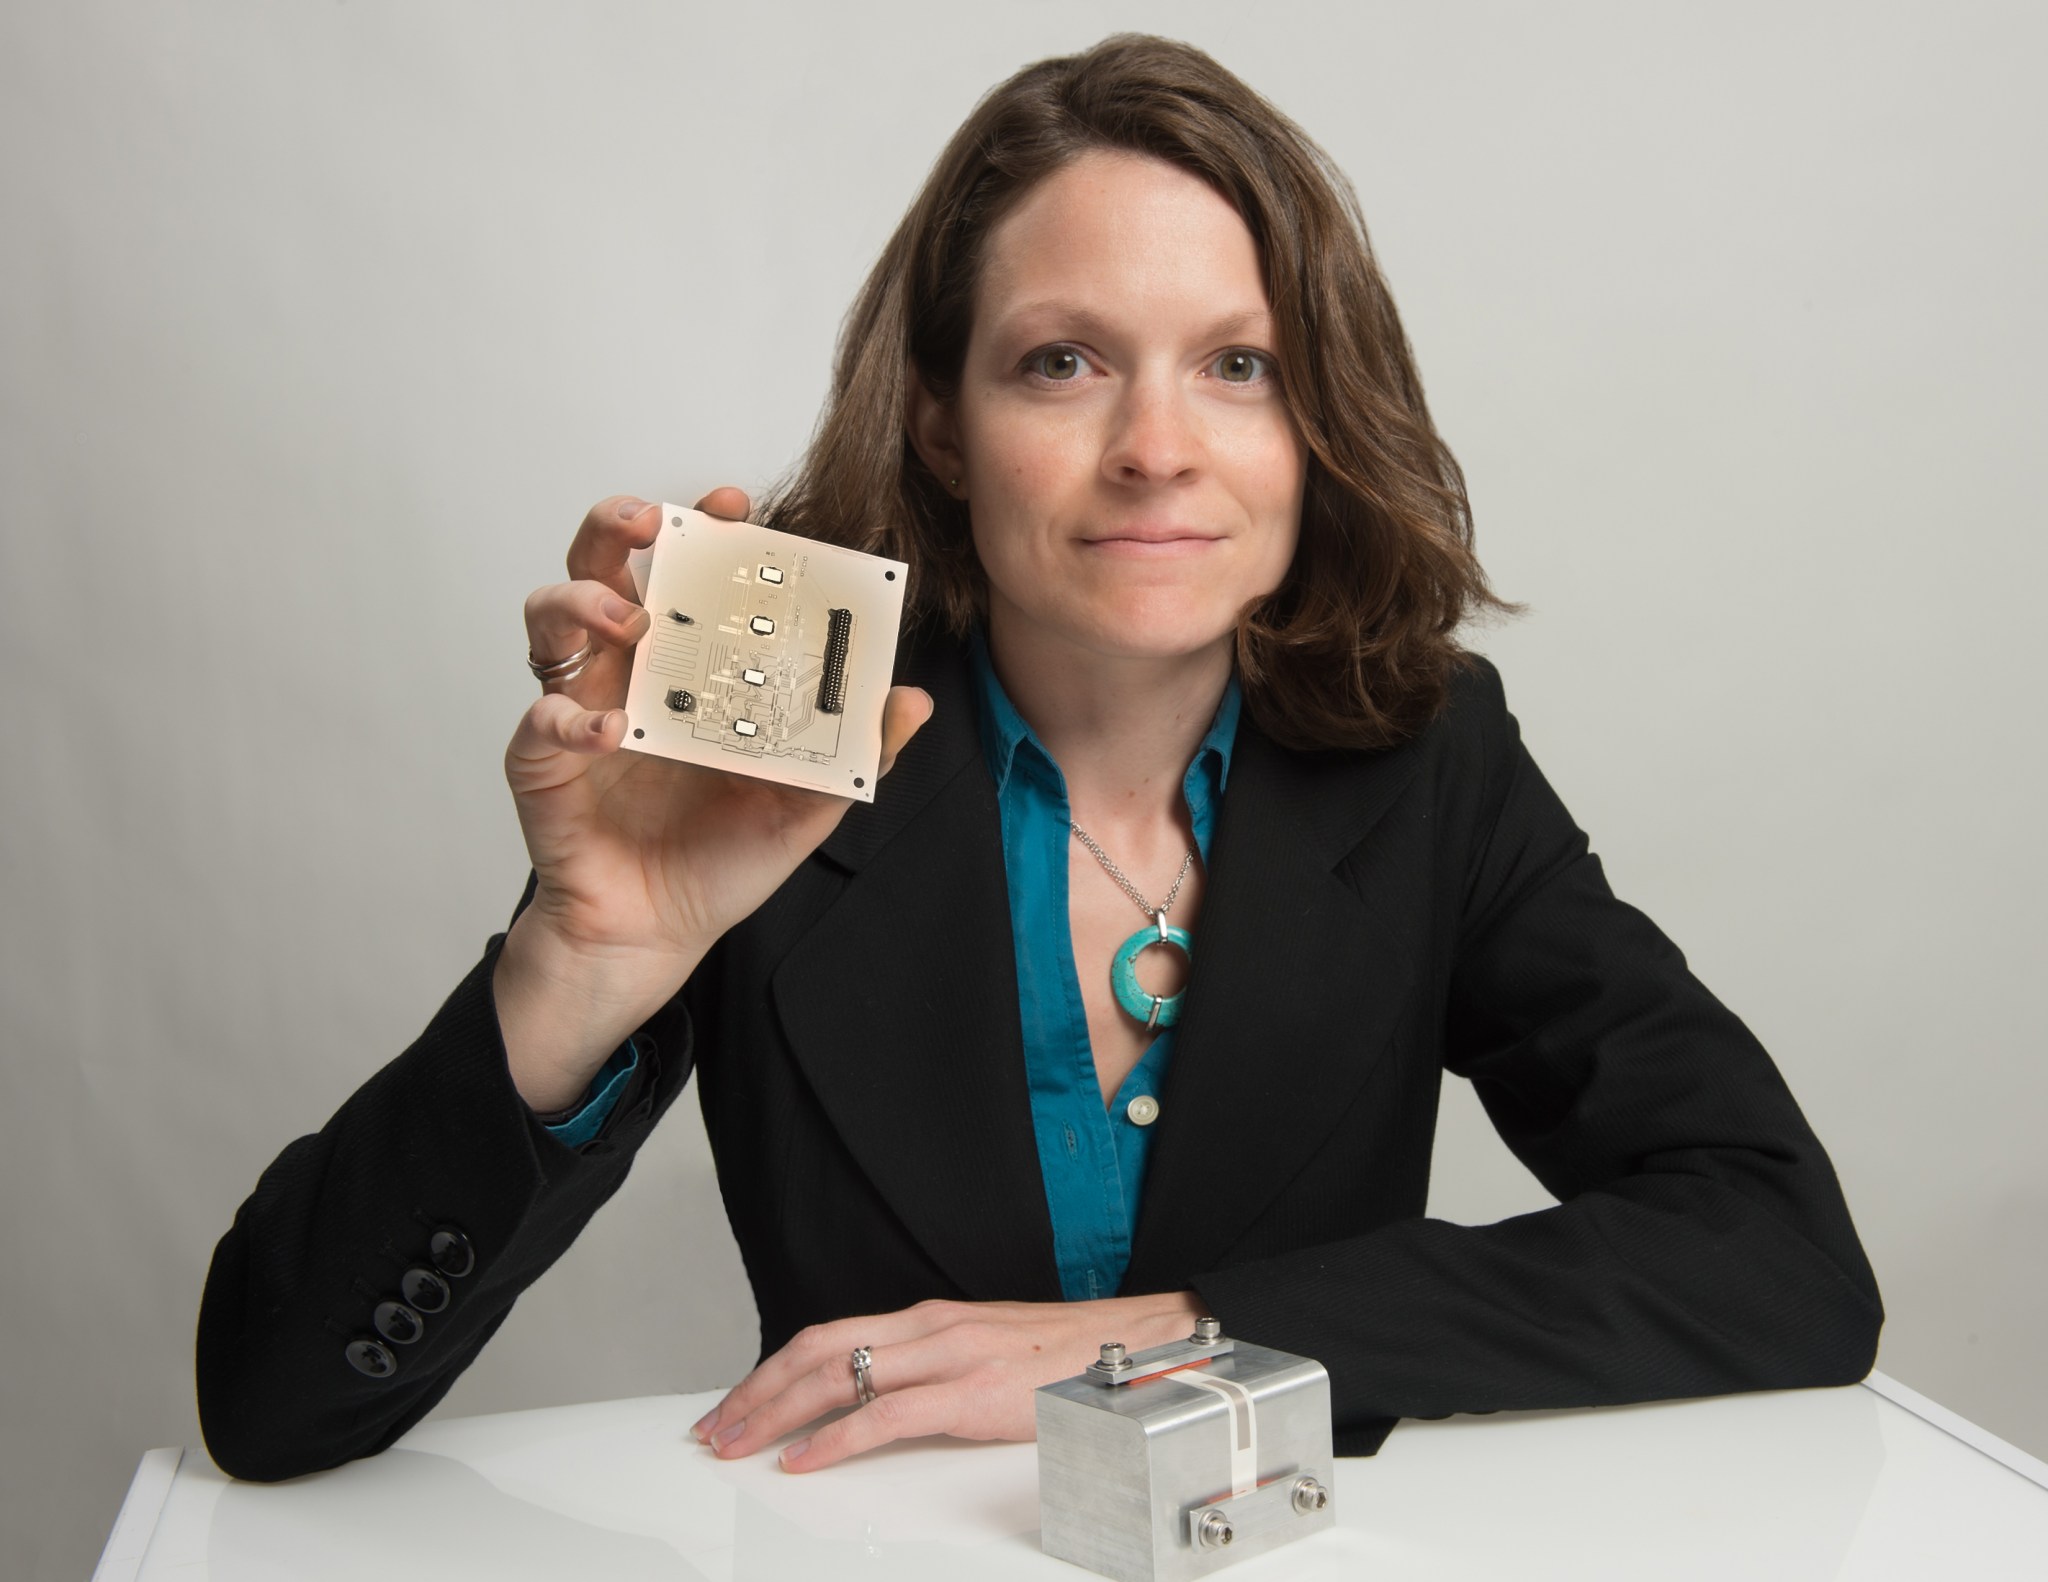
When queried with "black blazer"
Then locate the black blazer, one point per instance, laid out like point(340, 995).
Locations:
point(1371, 920)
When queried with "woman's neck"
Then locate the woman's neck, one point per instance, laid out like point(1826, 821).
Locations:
point(1122, 729)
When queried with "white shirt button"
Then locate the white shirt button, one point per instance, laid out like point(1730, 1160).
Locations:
point(1142, 1110)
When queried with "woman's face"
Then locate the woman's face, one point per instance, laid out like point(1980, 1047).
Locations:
point(1133, 476)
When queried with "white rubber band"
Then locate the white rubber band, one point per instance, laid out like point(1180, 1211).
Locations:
point(1244, 1427)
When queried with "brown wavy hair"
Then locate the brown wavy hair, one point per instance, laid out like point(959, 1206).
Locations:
point(1355, 648)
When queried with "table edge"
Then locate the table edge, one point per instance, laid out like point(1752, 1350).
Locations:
point(1982, 1440)
point(135, 1523)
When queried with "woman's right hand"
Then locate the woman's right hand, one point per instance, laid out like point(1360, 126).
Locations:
point(642, 862)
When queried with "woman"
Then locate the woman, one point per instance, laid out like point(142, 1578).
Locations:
point(1127, 392)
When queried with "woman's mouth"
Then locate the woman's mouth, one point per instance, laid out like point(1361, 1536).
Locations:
point(1152, 539)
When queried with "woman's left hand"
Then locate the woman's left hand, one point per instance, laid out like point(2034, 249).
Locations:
point(961, 1368)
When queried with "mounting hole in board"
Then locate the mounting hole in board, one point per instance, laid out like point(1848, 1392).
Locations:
point(889, 575)
point(858, 782)
point(675, 521)
point(638, 732)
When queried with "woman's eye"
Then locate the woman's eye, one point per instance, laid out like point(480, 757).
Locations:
point(1242, 368)
point(1060, 364)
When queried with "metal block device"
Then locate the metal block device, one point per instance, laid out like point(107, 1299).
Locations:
point(1171, 1463)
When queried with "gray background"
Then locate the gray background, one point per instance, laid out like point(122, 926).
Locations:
point(322, 324)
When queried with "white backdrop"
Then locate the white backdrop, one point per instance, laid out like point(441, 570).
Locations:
point(322, 324)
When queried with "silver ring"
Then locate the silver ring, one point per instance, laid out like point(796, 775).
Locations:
point(559, 669)
point(863, 1387)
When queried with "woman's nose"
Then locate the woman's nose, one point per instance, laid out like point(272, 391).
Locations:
point(1156, 436)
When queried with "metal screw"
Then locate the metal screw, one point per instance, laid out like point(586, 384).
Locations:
point(1207, 1330)
point(1216, 1531)
point(1113, 1355)
point(1310, 1496)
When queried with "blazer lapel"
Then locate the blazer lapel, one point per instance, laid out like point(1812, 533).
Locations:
point(1296, 990)
point(900, 1005)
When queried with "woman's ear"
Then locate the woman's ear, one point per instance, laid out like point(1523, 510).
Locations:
point(935, 435)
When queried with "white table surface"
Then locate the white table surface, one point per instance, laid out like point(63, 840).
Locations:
point(1866, 1482)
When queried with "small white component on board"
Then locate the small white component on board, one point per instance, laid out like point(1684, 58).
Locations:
point(809, 628)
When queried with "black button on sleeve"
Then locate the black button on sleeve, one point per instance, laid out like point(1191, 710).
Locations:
point(451, 1252)
point(372, 1357)
point(424, 1290)
point(398, 1323)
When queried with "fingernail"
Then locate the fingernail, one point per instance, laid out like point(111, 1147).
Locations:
point(598, 724)
point(628, 509)
point(616, 608)
point(793, 1452)
point(700, 1430)
point(726, 1436)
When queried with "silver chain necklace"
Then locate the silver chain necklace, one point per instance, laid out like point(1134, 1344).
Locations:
point(1154, 1010)
point(1130, 889)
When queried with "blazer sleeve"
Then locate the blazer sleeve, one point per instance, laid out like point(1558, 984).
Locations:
point(439, 1140)
point(1701, 1245)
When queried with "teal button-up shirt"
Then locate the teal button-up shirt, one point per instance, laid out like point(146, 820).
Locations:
point(1093, 1161)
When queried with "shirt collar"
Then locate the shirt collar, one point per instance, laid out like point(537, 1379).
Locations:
point(1004, 730)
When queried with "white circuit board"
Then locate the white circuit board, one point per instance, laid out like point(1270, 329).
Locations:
point(770, 655)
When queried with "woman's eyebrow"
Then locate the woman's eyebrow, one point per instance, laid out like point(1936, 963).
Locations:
point(1085, 321)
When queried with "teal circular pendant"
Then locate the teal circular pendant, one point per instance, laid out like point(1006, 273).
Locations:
point(1152, 1009)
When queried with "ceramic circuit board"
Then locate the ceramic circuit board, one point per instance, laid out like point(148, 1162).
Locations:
point(769, 655)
